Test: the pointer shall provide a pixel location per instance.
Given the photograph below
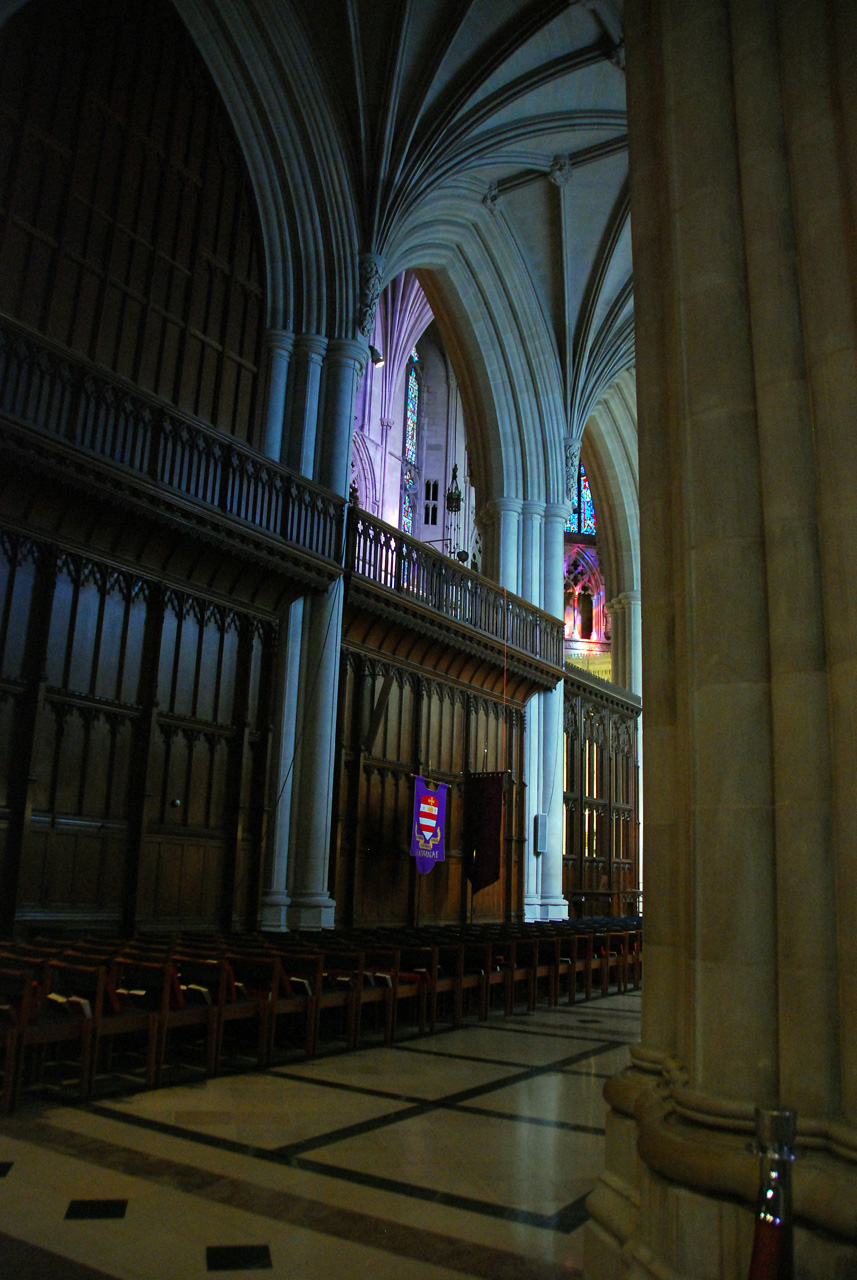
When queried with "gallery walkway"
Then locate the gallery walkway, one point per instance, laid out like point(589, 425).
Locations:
point(467, 1153)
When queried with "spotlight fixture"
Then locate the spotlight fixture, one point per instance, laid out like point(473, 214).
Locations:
point(375, 356)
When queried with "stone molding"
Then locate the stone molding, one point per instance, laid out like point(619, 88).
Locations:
point(704, 1142)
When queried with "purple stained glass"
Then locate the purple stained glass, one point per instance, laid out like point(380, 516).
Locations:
point(587, 511)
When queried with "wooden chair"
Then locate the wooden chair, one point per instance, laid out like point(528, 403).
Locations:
point(16, 996)
point(385, 964)
point(577, 949)
point(137, 1001)
point(64, 1011)
point(338, 984)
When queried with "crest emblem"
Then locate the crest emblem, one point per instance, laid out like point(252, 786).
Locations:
point(428, 816)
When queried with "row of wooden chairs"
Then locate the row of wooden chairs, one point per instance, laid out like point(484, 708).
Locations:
point(85, 994)
point(567, 958)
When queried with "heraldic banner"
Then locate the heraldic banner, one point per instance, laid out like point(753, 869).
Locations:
point(429, 824)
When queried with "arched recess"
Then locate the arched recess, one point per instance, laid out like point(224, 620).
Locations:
point(500, 345)
point(609, 454)
point(267, 72)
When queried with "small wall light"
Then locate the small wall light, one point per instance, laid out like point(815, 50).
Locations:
point(375, 356)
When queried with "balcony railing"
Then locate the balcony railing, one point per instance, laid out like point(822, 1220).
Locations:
point(45, 387)
point(64, 396)
point(424, 576)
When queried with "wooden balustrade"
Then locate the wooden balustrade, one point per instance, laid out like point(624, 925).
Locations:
point(391, 559)
point(60, 394)
point(63, 395)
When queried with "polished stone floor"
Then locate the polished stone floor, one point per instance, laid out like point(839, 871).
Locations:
point(468, 1153)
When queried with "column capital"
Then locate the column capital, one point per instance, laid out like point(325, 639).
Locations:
point(505, 504)
point(311, 346)
point(532, 507)
point(281, 341)
point(347, 351)
point(557, 511)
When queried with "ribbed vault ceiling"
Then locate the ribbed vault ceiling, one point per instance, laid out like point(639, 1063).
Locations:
point(431, 95)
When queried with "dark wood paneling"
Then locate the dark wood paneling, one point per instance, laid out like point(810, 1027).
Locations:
point(128, 231)
point(396, 724)
point(145, 745)
point(601, 862)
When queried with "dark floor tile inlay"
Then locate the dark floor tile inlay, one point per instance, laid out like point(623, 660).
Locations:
point(238, 1257)
point(96, 1209)
point(570, 1218)
point(5, 1166)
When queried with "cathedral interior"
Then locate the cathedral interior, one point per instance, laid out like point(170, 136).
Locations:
point(344, 450)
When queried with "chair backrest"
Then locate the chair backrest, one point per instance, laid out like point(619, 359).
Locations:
point(17, 995)
point(78, 983)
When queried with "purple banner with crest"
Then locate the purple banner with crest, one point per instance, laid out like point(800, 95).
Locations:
point(429, 824)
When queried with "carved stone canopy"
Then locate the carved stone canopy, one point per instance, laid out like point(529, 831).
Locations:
point(572, 462)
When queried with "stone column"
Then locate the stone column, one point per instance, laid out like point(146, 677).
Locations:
point(311, 905)
point(484, 520)
point(553, 905)
point(532, 543)
point(816, 689)
point(616, 609)
point(280, 345)
point(302, 403)
point(507, 529)
point(743, 152)
point(532, 539)
point(275, 897)
point(633, 643)
point(344, 363)
point(321, 632)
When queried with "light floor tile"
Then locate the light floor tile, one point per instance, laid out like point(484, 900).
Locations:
point(553, 1096)
point(540, 1170)
point(479, 1229)
point(259, 1110)
point(268, 1159)
point(411, 1075)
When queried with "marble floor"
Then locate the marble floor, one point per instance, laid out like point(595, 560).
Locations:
point(467, 1153)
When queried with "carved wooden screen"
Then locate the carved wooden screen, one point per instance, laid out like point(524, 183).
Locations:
point(601, 862)
point(128, 230)
point(395, 724)
point(135, 722)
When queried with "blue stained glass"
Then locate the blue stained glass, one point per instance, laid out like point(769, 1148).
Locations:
point(583, 519)
point(411, 419)
point(409, 450)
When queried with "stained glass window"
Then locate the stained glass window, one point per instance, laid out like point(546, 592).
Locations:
point(409, 445)
point(586, 511)
point(583, 519)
